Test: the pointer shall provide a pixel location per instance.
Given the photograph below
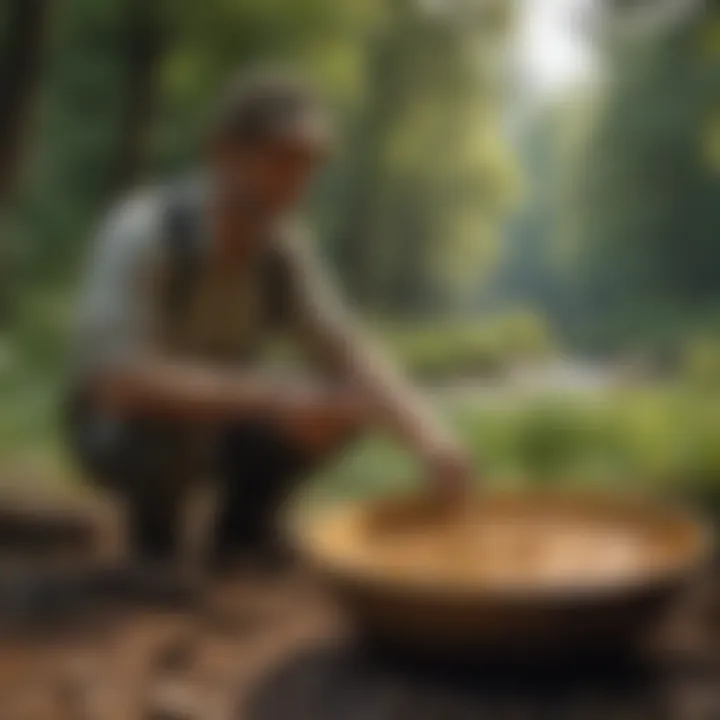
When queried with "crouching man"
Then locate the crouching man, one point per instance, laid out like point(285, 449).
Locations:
point(187, 284)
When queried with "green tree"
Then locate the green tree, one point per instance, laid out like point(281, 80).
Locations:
point(20, 66)
point(640, 205)
point(144, 39)
point(431, 175)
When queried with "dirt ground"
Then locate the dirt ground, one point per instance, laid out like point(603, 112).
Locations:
point(267, 646)
point(147, 660)
point(85, 638)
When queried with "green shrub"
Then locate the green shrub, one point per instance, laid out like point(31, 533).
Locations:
point(484, 349)
point(662, 439)
point(702, 362)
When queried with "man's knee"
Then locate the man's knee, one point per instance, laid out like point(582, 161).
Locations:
point(333, 438)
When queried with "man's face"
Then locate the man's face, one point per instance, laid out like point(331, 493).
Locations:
point(273, 176)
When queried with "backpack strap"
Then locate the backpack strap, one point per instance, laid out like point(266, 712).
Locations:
point(182, 235)
point(276, 283)
point(182, 230)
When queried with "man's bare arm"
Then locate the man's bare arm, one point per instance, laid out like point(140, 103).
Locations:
point(177, 390)
point(397, 403)
point(173, 389)
point(394, 402)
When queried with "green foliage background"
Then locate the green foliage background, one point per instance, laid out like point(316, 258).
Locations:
point(601, 222)
point(620, 240)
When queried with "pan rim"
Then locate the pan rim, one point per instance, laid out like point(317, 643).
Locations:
point(365, 579)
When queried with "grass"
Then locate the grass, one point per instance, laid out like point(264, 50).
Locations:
point(666, 439)
point(488, 348)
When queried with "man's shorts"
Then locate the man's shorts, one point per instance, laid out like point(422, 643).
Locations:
point(151, 466)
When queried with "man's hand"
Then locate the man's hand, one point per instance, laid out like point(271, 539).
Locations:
point(449, 468)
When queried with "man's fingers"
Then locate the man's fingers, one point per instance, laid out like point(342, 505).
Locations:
point(451, 474)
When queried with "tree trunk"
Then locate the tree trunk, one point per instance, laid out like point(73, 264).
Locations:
point(143, 52)
point(359, 257)
point(20, 65)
